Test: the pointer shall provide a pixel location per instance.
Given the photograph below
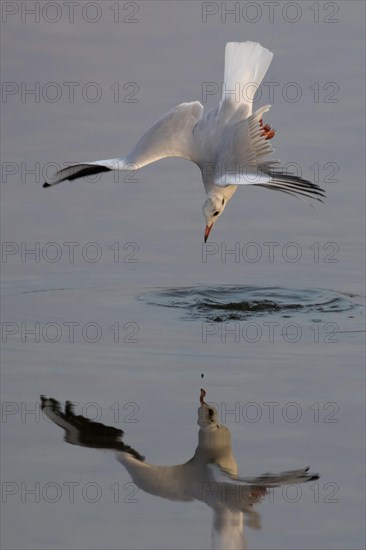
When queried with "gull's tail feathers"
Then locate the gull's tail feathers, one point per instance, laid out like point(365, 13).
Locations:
point(246, 63)
point(227, 530)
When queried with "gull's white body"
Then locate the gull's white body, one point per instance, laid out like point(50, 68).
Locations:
point(227, 143)
point(210, 476)
point(197, 479)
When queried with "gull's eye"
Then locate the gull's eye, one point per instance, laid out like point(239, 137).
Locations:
point(223, 200)
point(210, 413)
point(216, 213)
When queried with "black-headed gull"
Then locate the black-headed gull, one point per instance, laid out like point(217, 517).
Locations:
point(210, 476)
point(229, 144)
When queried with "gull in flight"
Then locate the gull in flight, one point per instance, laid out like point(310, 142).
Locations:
point(229, 143)
point(210, 476)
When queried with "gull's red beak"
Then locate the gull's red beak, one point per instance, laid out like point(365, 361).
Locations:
point(207, 231)
point(202, 397)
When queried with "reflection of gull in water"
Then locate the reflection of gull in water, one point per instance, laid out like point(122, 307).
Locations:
point(209, 476)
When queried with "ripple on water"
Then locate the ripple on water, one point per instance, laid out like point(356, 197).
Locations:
point(229, 303)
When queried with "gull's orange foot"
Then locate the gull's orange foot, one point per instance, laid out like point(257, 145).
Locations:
point(267, 130)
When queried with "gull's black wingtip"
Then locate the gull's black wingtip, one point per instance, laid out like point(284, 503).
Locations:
point(46, 184)
point(313, 477)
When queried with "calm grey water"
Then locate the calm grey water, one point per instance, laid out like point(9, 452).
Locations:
point(121, 309)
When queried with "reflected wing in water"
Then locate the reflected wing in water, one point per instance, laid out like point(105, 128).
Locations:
point(264, 480)
point(81, 431)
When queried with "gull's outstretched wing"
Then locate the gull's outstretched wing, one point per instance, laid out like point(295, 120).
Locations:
point(265, 480)
point(83, 432)
point(170, 136)
point(238, 495)
point(170, 482)
point(243, 160)
point(241, 145)
point(265, 176)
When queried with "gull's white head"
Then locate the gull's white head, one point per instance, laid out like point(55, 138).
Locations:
point(207, 414)
point(212, 210)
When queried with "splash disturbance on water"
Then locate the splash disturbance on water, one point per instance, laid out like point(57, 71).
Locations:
point(229, 303)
